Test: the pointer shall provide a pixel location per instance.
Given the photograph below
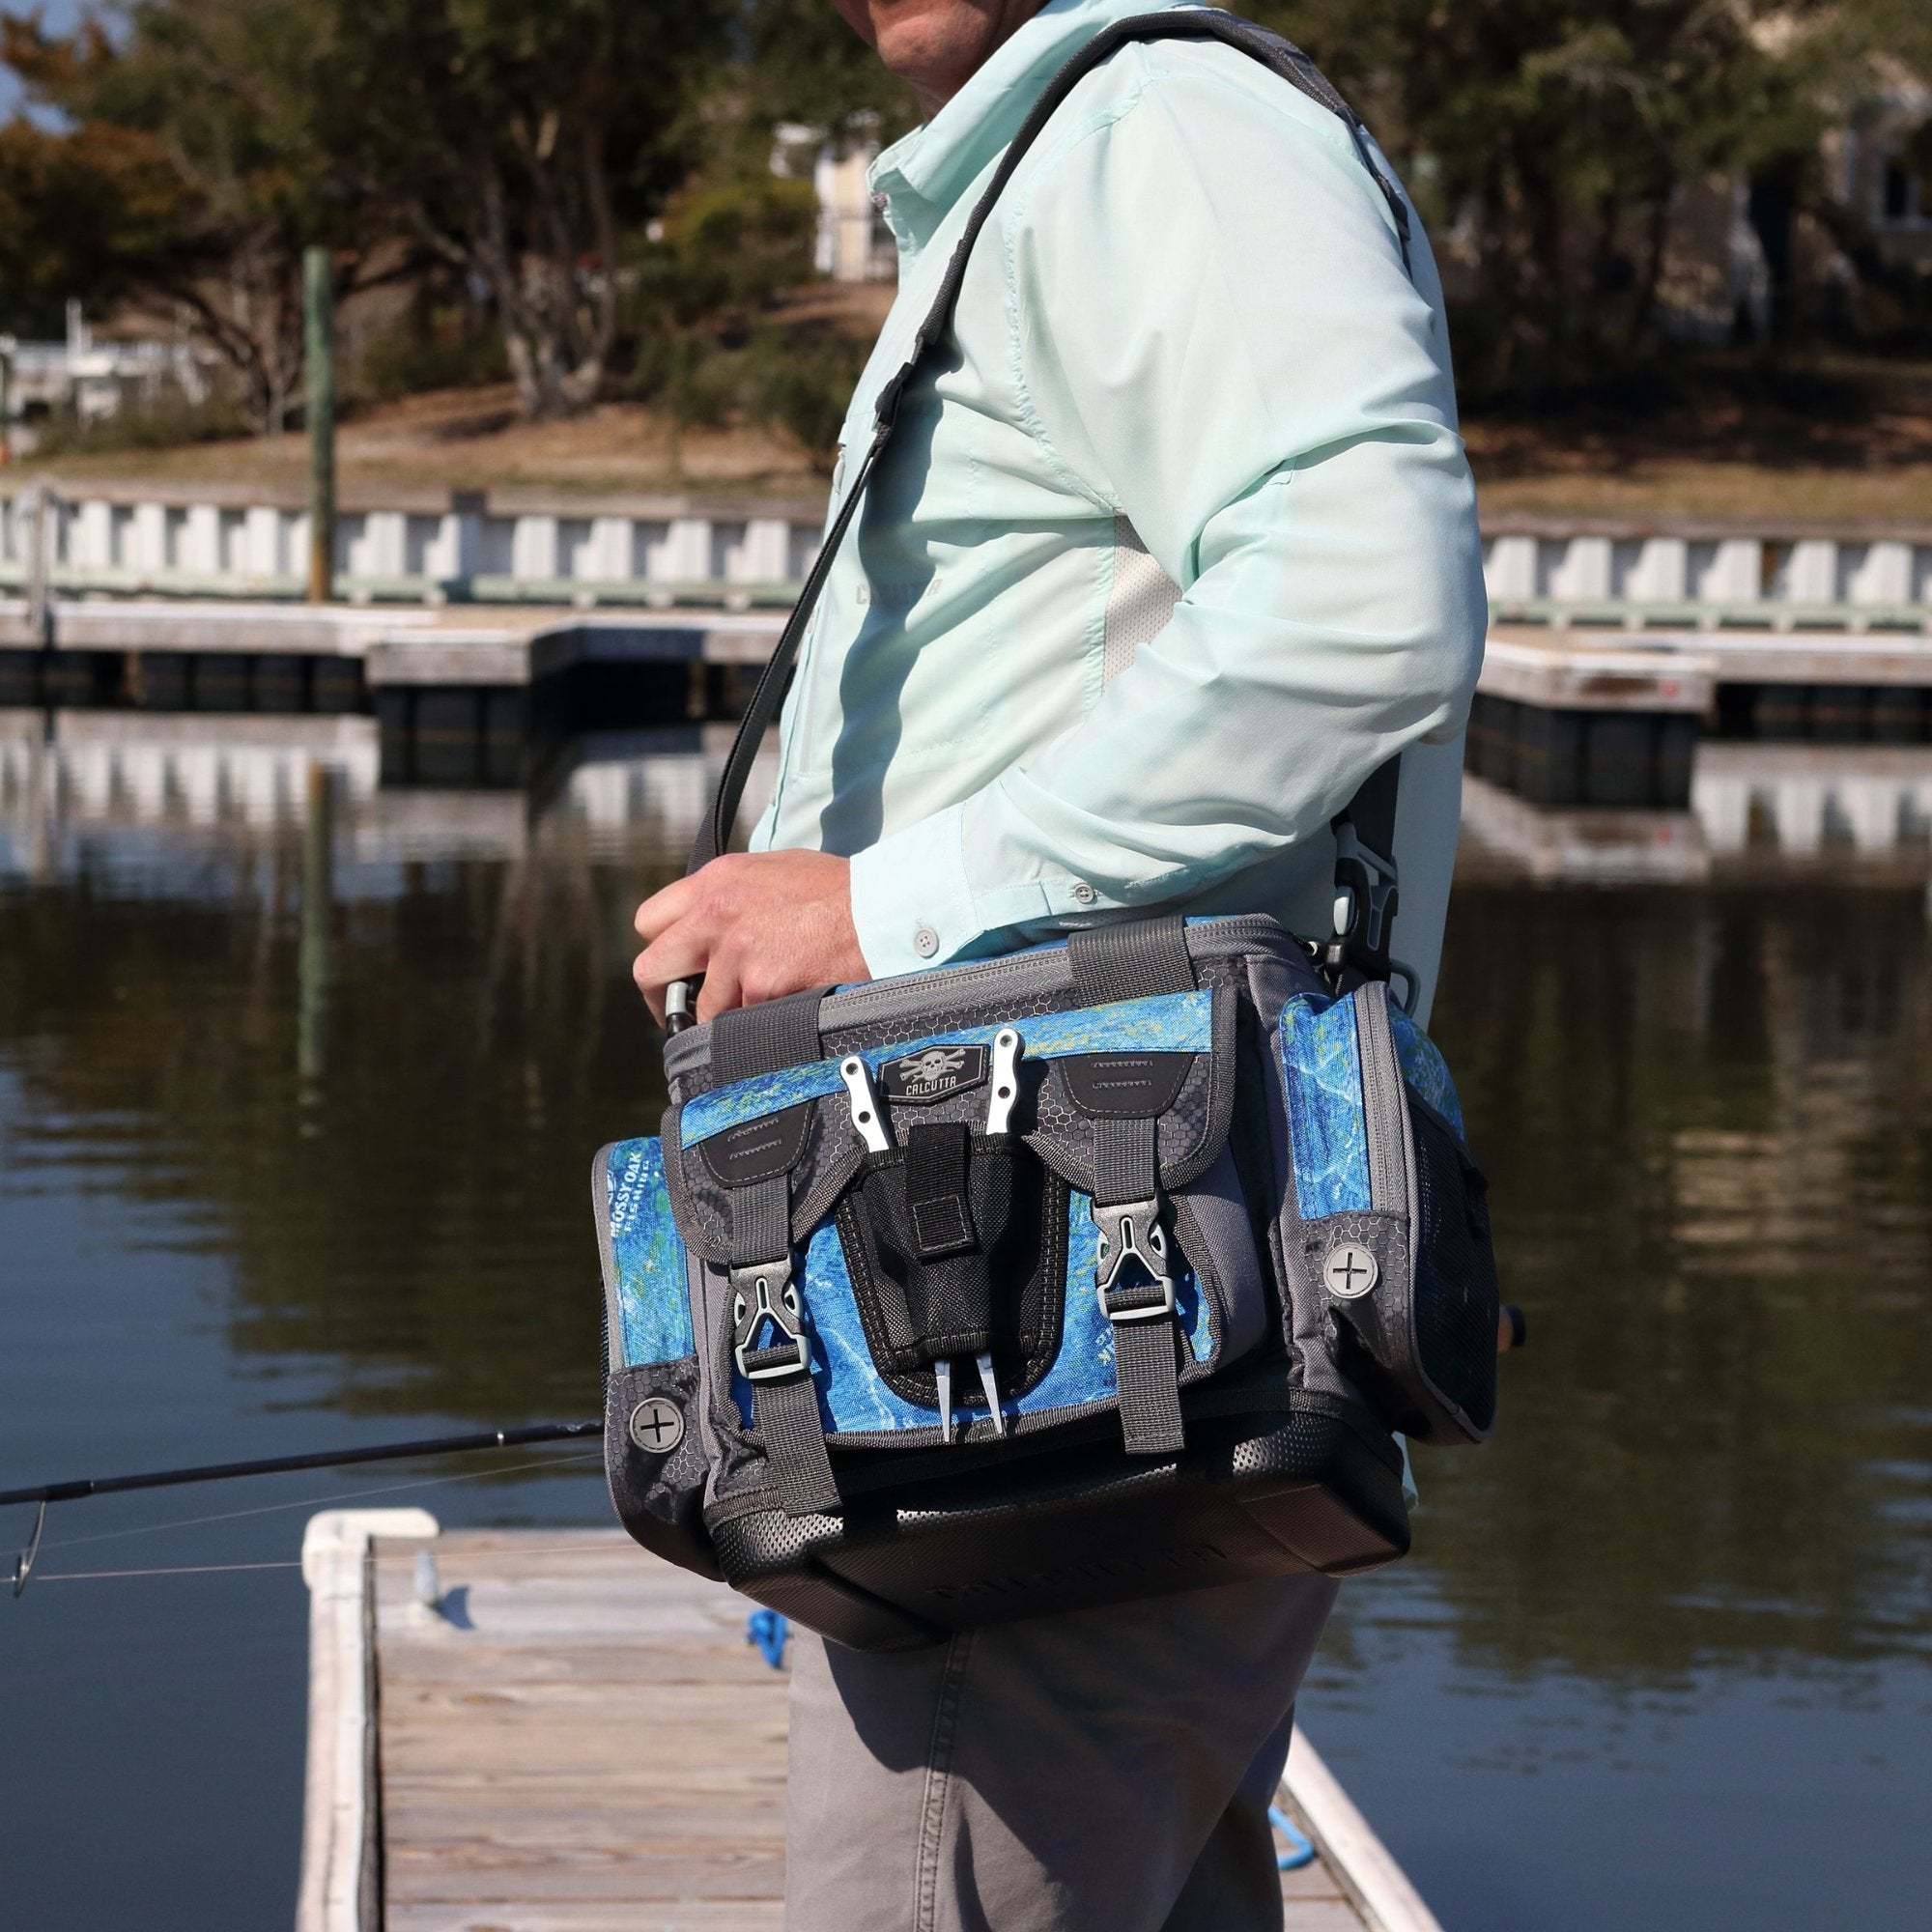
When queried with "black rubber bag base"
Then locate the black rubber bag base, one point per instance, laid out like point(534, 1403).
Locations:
point(1252, 1496)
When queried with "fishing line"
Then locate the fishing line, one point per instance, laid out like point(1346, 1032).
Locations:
point(187, 1570)
point(312, 1502)
point(226, 1569)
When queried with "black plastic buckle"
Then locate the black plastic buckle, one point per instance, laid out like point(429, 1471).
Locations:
point(766, 1291)
point(1366, 899)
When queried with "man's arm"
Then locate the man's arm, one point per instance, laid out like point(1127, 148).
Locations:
point(1253, 383)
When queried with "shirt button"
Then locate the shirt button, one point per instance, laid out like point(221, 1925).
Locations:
point(925, 941)
point(1084, 894)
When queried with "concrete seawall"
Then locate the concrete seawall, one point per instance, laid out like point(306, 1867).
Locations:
point(524, 546)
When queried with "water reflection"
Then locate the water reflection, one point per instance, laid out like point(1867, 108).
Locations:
point(361, 1044)
point(1705, 1114)
point(67, 777)
point(1707, 1123)
point(1768, 809)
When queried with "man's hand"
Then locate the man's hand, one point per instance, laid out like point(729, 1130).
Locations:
point(757, 924)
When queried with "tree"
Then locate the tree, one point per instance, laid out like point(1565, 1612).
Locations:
point(77, 213)
point(517, 143)
point(1558, 134)
point(802, 63)
point(191, 146)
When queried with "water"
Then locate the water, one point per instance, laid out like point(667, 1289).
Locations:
point(1662, 1656)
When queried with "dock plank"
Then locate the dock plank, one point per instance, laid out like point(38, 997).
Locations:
point(586, 1743)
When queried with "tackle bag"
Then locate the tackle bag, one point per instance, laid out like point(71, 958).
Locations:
point(1098, 1271)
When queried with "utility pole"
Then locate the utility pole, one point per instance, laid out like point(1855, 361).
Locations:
point(7, 347)
point(319, 368)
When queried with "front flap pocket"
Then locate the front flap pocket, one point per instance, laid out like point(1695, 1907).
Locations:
point(1154, 1082)
point(957, 1243)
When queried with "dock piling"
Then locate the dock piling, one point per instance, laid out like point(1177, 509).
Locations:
point(319, 371)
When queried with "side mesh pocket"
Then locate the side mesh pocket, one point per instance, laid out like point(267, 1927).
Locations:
point(1391, 1241)
point(1457, 1297)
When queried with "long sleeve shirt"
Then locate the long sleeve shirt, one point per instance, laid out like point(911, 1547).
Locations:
point(1177, 548)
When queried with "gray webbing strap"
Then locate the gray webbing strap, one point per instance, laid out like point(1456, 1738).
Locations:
point(765, 1038)
point(1130, 959)
point(786, 1413)
point(784, 1404)
point(1147, 1371)
point(761, 1222)
point(1148, 1380)
point(1124, 1161)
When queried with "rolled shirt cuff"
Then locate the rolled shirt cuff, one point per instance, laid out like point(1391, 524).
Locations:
point(914, 905)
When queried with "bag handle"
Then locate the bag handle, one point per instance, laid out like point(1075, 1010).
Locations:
point(1282, 57)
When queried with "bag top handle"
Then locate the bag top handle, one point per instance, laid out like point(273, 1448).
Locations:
point(1282, 57)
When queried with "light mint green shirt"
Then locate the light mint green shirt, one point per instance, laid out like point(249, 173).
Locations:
point(1178, 547)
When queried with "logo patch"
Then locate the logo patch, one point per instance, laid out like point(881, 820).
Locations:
point(914, 1079)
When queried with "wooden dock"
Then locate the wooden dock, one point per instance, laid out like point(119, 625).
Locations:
point(570, 1736)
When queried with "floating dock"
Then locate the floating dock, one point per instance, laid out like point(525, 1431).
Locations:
point(552, 1731)
point(463, 695)
point(1568, 714)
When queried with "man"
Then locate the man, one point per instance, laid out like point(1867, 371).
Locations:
point(1177, 547)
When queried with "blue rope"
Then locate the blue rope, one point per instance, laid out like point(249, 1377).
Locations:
point(767, 1631)
point(1300, 1847)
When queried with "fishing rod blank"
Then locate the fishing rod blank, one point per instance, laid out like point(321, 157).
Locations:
point(45, 1493)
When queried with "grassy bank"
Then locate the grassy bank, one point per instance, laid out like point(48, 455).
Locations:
point(1839, 442)
point(1843, 444)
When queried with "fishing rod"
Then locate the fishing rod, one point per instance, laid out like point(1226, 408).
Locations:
point(45, 1493)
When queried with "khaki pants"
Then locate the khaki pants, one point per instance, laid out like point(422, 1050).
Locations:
point(1108, 1770)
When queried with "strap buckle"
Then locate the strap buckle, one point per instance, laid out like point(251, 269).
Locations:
point(1366, 899)
point(1131, 1231)
point(767, 1291)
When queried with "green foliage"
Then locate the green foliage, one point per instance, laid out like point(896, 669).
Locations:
point(169, 424)
point(518, 145)
point(1558, 132)
point(795, 377)
point(78, 212)
point(727, 247)
point(803, 64)
point(708, 347)
point(802, 381)
point(441, 351)
point(193, 160)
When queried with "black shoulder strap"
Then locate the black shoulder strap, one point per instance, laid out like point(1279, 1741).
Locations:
point(1282, 58)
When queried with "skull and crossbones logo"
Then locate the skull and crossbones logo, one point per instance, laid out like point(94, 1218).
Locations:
point(928, 1073)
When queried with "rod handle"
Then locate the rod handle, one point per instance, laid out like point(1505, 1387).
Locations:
point(681, 1003)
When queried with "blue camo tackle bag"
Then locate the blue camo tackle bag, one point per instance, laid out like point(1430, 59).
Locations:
point(1095, 1272)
